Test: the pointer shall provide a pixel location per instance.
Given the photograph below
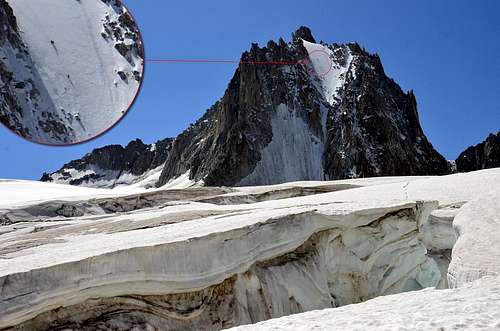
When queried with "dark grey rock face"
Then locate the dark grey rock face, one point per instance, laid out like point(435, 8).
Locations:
point(111, 162)
point(481, 156)
point(374, 129)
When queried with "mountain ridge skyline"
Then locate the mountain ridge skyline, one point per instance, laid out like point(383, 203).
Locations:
point(247, 109)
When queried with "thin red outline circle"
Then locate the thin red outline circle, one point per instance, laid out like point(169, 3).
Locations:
point(322, 75)
point(134, 99)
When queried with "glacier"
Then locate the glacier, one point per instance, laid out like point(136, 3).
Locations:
point(217, 257)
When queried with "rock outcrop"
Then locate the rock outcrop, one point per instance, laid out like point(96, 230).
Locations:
point(124, 33)
point(481, 156)
point(113, 165)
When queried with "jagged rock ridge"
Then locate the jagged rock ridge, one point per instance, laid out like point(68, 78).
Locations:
point(113, 165)
point(481, 156)
point(285, 122)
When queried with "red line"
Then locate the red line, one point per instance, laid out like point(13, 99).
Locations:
point(191, 61)
point(270, 62)
point(222, 61)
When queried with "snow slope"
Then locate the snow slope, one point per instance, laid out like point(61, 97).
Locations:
point(329, 71)
point(22, 192)
point(77, 65)
point(476, 253)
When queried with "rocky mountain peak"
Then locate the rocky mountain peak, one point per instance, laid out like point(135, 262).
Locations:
point(339, 116)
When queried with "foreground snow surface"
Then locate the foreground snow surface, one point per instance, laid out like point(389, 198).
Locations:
point(213, 258)
point(471, 307)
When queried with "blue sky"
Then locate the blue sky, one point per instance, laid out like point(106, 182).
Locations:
point(448, 52)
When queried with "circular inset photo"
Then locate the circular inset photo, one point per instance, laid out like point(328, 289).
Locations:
point(318, 64)
point(69, 69)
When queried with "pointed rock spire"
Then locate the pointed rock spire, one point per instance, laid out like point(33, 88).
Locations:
point(303, 33)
